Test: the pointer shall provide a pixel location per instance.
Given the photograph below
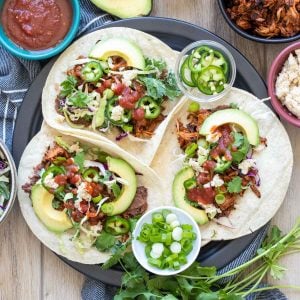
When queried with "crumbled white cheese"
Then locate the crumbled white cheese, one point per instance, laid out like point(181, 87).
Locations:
point(75, 148)
point(213, 137)
point(202, 151)
point(246, 164)
point(82, 193)
point(216, 182)
point(288, 84)
point(211, 210)
point(110, 63)
point(68, 196)
point(128, 76)
point(117, 113)
point(49, 182)
point(195, 165)
point(96, 229)
point(77, 204)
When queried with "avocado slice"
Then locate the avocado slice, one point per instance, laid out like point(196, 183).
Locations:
point(54, 220)
point(124, 200)
point(125, 9)
point(235, 116)
point(178, 188)
point(118, 46)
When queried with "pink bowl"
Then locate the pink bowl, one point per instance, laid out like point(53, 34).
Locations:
point(273, 73)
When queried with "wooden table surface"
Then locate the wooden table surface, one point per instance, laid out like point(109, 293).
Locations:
point(31, 271)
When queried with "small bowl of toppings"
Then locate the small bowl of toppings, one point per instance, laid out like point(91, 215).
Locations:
point(205, 71)
point(272, 21)
point(8, 183)
point(38, 29)
point(166, 240)
point(284, 84)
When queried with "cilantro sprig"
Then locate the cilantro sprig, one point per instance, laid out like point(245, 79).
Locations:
point(68, 86)
point(203, 283)
point(156, 85)
point(235, 185)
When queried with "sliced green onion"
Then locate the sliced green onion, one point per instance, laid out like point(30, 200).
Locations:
point(155, 262)
point(97, 199)
point(203, 143)
point(194, 107)
point(157, 218)
point(190, 150)
point(220, 198)
point(190, 183)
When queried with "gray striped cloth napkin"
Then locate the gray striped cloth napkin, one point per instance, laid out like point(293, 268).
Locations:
point(15, 77)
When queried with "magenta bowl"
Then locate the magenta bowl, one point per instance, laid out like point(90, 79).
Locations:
point(272, 76)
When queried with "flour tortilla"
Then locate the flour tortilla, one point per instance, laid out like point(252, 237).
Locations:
point(152, 47)
point(274, 164)
point(61, 244)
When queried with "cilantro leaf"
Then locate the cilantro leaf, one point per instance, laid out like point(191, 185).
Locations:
point(172, 90)
point(68, 86)
point(118, 250)
point(238, 139)
point(235, 185)
point(234, 105)
point(105, 241)
point(79, 99)
point(155, 87)
point(79, 159)
point(152, 64)
point(56, 204)
point(115, 189)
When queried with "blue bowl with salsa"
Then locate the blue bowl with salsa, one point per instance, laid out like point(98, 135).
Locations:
point(37, 30)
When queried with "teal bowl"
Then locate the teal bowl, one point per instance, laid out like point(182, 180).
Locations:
point(16, 50)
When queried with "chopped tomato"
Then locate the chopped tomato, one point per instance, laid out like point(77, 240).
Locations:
point(77, 215)
point(97, 189)
point(118, 88)
point(126, 104)
point(201, 195)
point(69, 161)
point(84, 206)
point(138, 114)
point(61, 179)
point(209, 165)
point(89, 188)
point(107, 83)
point(72, 168)
point(69, 204)
point(74, 179)
point(203, 178)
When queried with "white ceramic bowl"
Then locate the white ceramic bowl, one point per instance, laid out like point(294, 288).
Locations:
point(139, 247)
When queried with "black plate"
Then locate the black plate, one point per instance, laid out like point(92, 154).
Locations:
point(177, 34)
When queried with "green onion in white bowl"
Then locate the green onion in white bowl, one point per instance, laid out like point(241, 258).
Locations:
point(166, 240)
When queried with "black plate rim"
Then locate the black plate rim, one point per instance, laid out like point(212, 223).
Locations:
point(23, 124)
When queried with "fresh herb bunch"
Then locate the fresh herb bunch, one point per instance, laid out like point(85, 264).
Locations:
point(202, 283)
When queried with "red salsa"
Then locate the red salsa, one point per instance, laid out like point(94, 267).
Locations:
point(36, 24)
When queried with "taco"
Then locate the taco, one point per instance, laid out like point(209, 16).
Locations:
point(82, 199)
point(229, 164)
point(115, 84)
